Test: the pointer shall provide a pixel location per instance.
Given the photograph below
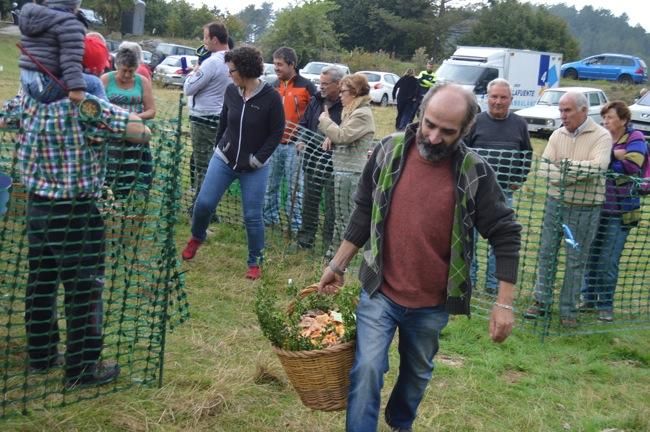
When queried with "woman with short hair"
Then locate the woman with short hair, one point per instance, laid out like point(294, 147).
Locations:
point(251, 126)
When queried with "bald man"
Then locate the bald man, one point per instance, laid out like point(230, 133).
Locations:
point(421, 195)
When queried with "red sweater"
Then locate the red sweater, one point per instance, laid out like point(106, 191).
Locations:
point(417, 240)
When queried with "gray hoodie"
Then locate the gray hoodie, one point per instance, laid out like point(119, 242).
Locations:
point(56, 39)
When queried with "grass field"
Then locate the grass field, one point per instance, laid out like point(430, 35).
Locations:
point(221, 375)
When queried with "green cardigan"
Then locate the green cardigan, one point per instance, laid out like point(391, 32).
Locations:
point(480, 204)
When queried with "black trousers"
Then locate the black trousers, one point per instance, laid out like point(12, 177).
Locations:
point(66, 245)
point(318, 182)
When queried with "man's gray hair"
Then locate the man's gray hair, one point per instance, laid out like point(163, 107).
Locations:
point(333, 72)
point(579, 99)
point(500, 82)
point(470, 99)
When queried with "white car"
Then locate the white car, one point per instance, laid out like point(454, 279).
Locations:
point(640, 110)
point(312, 70)
point(171, 72)
point(269, 74)
point(544, 116)
point(381, 86)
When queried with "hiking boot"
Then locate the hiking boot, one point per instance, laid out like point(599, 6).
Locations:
point(535, 310)
point(586, 307)
point(43, 368)
point(190, 249)
point(605, 316)
point(399, 429)
point(254, 272)
point(569, 322)
point(102, 373)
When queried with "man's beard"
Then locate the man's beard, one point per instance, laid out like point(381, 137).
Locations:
point(434, 153)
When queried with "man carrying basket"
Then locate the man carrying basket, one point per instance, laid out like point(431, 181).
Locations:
point(421, 195)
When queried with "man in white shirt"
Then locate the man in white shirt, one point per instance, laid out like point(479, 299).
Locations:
point(574, 161)
point(206, 85)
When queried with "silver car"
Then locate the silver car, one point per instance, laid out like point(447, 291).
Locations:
point(171, 71)
point(544, 117)
point(641, 115)
point(269, 74)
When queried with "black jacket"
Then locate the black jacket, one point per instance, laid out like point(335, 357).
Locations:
point(249, 131)
point(408, 87)
point(315, 157)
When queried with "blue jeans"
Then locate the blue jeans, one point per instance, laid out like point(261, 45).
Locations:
point(405, 114)
point(491, 282)
point(284, 165)
point(44, 89)
point(582, 221)
point(602, 269)
point(377, 319)
point(253, 184)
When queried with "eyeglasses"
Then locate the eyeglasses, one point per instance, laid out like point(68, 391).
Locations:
point(232, 71)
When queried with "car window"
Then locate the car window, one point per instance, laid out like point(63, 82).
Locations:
point(593, 99)
point(186, 51)
point(172, 61)
point(314, 68)
point(603, 98)
point(372, 77)
point(164, 48)
point(596, 60)
point(612, 61)
point(550, 98)
point(389, 79)
point(645, 100)
point(643, 64)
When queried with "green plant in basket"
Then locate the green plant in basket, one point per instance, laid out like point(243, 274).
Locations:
point(288, 327)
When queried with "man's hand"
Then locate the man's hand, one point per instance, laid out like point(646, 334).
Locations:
point(330, 282)
point(502, 318)
point(501, 322)
point(327, 144)
point(325, 114)
point(300, 146)
point(76, 96)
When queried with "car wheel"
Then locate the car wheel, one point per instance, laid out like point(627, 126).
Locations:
point(571, 74)
point(384, 100)
point(625, 79)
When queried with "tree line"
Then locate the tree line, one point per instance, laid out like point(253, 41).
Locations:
point(409, 30)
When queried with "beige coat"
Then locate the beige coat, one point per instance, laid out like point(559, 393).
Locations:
point(352, 139)
point(575, 165)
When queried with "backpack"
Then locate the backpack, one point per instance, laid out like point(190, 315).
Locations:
point(644, 184)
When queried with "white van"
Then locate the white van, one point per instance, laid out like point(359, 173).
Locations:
point(528, 72)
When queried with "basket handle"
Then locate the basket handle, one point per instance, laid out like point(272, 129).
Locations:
point(301, 295)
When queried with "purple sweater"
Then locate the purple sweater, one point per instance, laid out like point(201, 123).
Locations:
point(619, 196)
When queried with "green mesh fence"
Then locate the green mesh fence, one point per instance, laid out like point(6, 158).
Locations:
point(89, 283)
point(566, 210)
point(311, 203)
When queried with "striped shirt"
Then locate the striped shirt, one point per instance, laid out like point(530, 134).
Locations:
point(61, 157)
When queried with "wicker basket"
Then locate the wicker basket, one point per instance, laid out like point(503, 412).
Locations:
point(320, 377)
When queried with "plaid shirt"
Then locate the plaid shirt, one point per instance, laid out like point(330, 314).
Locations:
point(61, 157)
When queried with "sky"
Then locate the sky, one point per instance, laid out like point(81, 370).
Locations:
point(633, 8)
